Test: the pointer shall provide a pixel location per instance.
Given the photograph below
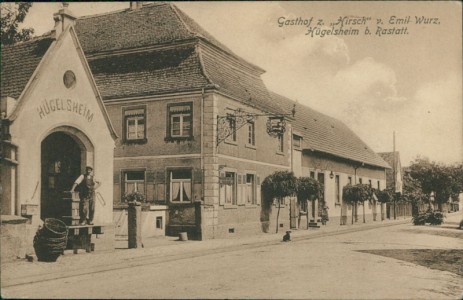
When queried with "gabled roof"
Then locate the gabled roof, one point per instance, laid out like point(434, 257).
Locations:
point(22, 61)
point(19, 62)
point(325, 134)
point(158, 23)
point(147, 73)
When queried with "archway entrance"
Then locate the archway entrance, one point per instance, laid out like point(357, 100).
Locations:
point(61, 159)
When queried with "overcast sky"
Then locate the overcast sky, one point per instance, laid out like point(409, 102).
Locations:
point(410, 83)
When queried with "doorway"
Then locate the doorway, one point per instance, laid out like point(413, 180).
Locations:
point(61, 160)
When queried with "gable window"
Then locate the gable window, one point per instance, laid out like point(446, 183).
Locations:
point(134, 181)
point(180, 185)
point(280, 142)
point(228, 188)
point(250, 189)
point(135, 124)
point(180, 120)
point(251, 134)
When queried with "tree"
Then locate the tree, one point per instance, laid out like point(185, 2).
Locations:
point(384, 196)
point(308, 189)
point(443, 181)
point(279, 185)
point(353, 194)
point(13, 14)
point(413, 193)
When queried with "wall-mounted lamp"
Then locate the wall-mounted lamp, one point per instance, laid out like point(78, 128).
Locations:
point(331, 175)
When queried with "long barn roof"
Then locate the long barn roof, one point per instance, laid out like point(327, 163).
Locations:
point(325, 134)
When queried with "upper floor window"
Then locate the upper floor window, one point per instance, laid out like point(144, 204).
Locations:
point(180, 120)
point(232, 124)
point(135, 124)
point(251, 134)
point(280, 147)
point(180, 185)
point(297, 141)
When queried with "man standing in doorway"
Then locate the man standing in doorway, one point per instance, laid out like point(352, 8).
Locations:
point(87, 186)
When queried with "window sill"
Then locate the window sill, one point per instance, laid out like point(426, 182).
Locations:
point(139, 141)
point(337, 204)
point(251, 205)
point(280, 153)
point(171, 139)
point(230, 206)
point(250, 146)
point(231, 143)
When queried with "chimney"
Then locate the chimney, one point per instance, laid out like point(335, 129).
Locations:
point(135, 5)
point(63, 18)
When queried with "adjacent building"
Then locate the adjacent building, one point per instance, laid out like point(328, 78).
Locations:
point(54, 124)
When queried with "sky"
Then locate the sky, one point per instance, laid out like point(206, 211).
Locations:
point(409, 82)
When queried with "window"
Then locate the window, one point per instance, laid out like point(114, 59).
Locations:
point(251, 134)
point(134, 181)
point(280, 142)
point(338, 189)
point(158, 222)
point(369, 182)
point(180, 186)
point(180, 120)
point(350, 180)
point(297, 141)
point(360, 180)
point(312, 174)
point(232, 124)
point(134, 124)
point(378, 186)
point(250, 189)
point(228, 188)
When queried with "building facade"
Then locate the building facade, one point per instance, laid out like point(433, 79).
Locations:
point(54, 124)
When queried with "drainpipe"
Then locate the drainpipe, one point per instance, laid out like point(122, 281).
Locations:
point(202, 143)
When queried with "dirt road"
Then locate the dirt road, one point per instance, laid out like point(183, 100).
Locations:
point(332, 267)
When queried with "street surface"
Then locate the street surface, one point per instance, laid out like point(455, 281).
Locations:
point(314, 267)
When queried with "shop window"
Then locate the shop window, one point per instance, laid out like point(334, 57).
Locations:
point(228, 188)
point(180, 186)
point(250, 189)
point(280, 147)
point(135, 124)
point(180, 121)
point(251, 134)
point(134, 181)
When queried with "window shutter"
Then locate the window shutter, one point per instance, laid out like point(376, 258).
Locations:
point(258, 194)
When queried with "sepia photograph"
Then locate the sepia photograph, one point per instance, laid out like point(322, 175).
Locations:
point(229, 150)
